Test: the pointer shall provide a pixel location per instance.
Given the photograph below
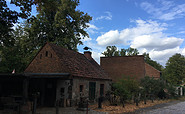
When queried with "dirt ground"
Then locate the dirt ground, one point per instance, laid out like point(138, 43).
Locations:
point(129, 107)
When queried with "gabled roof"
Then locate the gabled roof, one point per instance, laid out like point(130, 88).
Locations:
point(77, 64)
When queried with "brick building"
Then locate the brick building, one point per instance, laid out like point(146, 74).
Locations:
point(133, 66)
point(66, 74)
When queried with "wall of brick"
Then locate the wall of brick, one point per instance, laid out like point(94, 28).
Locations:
point(117, 67)
point(45, 64)
point(85, 82)
point(151, 71)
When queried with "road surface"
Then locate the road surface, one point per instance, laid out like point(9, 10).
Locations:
point(175, 107)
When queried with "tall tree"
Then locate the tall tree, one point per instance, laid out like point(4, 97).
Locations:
point(15, 56)
point(175, 69)
point(59, 21)
point(9, 17)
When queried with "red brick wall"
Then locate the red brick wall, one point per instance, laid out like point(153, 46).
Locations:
point(151, 71)
point(49, 64)
point(117, 67)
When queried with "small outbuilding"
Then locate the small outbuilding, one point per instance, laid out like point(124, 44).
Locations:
point(61, 74)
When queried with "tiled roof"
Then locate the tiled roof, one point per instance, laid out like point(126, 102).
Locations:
point(78, 65)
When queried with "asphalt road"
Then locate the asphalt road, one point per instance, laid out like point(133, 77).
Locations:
point(178, 108)
point(175, 107)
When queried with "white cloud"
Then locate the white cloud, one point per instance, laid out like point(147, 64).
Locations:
point(166, 10)
point(109, 37)
point(106, 17)
point(96, 56)
point(92, 29)
point(183, 51)
point(163, 56)
point(129, 34)
point(155, 42)
point(147, 36)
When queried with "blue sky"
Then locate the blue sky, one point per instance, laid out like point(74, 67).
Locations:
point(152, 26)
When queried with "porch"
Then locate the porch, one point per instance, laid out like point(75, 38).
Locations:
point(20, 91)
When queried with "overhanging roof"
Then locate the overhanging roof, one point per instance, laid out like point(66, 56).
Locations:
point(35, 75)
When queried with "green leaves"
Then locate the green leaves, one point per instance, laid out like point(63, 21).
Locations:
point(126, 88)
point(175, 69)
point(113, 51)
point(59, 22)
point(9, 17)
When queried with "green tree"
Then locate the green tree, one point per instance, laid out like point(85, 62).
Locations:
point(132, 51)
point(10, 17)
point(113, 51)
point(152, 62)
point(175, 69)
point(59, 21)
point(18, 55)
point(126, 88)
point(151, 86)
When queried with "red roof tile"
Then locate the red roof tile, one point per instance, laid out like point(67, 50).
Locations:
point(78, 65)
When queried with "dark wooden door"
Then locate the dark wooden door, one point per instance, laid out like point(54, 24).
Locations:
point(92, 90)
point(50, 93)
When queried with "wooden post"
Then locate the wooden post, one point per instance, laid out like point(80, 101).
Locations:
point(145, 99)
point(87, 107)
point(152, 98)
point(136, 101)
point(34, 103)
point(57, 107)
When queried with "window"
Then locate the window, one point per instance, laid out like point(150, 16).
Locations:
point(81, 88)
point(46, 53)
point(51, 55)
point(40, 56)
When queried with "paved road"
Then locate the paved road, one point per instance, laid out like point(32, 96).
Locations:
point(175, 107)
point(178, 108)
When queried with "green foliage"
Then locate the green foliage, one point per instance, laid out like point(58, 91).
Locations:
point(175, 69)
point(152, 62)
point(10, 17)
point(171, 91)
point(131, 51)
point(126, 88)
point(113, 51)
point(110, 51)
point(19, 54)
point(59, 21)
point(151, 86)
